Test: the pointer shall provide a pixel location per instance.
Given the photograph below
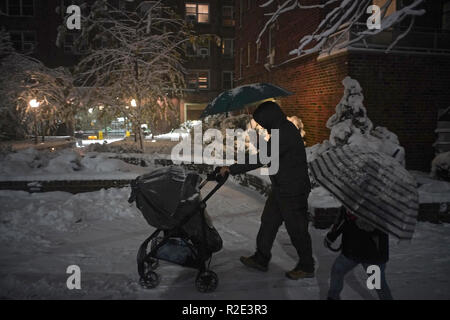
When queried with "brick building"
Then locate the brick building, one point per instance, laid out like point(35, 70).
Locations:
point(403, 89)
point(33, 25)
point(210, 62)
point(210, 58)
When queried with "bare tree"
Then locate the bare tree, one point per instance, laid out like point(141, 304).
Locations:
point(133, 58)
point(343, 16)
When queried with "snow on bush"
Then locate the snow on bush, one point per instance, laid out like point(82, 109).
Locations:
point(111, 148)
point(350, 125)
point(29, 162)
point(23, 214)
point(440, 166)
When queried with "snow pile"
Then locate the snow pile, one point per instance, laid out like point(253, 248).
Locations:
point(23, 214)
point(29, 161)
point(181, 132)
point(440, 167)
point(321, 198)
point(350, 125)
point(111, 148)
point(101, 163)
point(434, 192)
point(60, 165)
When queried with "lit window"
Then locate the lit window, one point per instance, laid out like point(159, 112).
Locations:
point(203, 80)
point(198, 80)
point(203, 13)
point(228, 47)
point(227, 80)
point(228, 16)
point(197, 12)
point(21, 8)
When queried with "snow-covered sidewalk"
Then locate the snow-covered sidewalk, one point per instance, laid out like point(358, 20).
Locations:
point(42, 234)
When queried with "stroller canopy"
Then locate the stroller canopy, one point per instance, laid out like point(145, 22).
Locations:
point(166, 195)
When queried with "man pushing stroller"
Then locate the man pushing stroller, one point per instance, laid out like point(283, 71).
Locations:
point(288, 200)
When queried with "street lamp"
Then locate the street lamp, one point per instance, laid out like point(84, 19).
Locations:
point(133, 103)
point(34, 104)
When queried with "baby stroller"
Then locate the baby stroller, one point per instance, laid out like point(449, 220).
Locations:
point(169, 198)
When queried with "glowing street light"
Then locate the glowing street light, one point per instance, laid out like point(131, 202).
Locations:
point(34, 103)
point(133, 103)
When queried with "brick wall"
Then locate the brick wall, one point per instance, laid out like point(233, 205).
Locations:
point(403, 93)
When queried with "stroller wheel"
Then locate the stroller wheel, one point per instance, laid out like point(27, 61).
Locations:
point(207, 281)
point(152, 264)
point(150, 280)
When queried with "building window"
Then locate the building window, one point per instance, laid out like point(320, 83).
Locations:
point(227, 80)
point(446, 16)
point(69, 40)
point(228, 16)
point(241, 62)
point(241, 11)
point(198, 13)
point(271, 46)
point(258, 46)
point(249, 48)
point(69, 43)
point(23, 41)
point(190, 49)
point(24, 8)
point(201, 48)
point(228, 48)
point(390, 10)
point(198, 80)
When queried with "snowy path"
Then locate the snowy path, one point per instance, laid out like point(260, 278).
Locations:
point(39, 239)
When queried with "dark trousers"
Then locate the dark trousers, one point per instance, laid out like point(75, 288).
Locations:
point(292, 210)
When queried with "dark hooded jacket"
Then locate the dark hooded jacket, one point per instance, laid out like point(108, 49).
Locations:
point(292, 177)
point(365, 246)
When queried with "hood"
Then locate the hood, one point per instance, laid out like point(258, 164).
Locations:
point(269, 115)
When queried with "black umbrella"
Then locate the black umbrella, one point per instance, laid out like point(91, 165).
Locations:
point(239, 97)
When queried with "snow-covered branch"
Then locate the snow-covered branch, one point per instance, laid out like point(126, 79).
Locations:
point(133, 54)
point(342, 17)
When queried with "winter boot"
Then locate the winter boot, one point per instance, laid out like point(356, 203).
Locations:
point(255, 263)
point(298, 273)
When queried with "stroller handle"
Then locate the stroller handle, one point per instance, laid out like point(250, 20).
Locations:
point(214, 176)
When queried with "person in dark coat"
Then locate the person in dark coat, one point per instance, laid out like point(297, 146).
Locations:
point(288, 200)
point(361, 244)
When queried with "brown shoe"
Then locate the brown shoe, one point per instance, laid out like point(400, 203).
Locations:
point(299, 274)
point(251, 262)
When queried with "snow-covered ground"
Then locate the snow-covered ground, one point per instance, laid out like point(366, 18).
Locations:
point(42, 234)
point(67, 164)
